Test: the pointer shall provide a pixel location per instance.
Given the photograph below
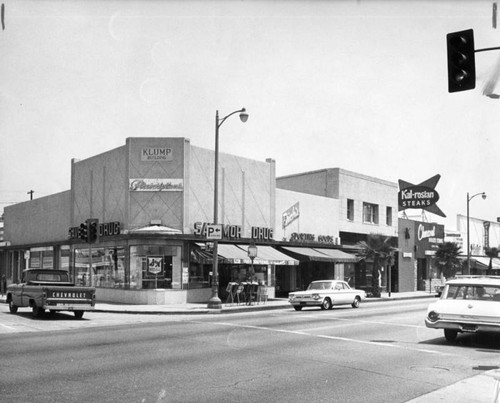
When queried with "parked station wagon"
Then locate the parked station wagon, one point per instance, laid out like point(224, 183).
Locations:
point(468, 304)
point(325, 294)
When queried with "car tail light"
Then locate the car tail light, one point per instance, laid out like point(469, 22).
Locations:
point(433, 316)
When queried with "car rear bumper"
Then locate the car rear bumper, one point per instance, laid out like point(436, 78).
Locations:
point(69, 307)
point(464, 326)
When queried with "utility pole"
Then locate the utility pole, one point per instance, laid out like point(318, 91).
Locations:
point(31, 194)
point(494, 16)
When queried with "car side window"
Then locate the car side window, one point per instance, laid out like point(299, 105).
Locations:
point(454, 292)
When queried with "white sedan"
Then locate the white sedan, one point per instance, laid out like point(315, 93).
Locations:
point(325, 294)
point(468, 304)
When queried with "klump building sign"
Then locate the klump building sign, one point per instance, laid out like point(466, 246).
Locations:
point(422, 196)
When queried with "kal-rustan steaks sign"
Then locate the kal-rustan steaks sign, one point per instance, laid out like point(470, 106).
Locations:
point(422, 196)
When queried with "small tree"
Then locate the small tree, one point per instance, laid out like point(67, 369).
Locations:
point(446, 259)
point(491, 253)
point(377, 247)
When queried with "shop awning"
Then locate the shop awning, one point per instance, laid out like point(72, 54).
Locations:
point(238, 254)
point(309, 254)
point(272, 256)
point(234, 255)
point(482, 263)
point(155, 229)
point(323, 255)
point(339, 256)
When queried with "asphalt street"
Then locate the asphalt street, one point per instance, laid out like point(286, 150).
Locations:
point(383, 348)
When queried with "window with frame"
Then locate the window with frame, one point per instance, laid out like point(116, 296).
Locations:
point(370, 213)
point(350, 209)
point(155, 266)
point(108, 267)
point(388, 216)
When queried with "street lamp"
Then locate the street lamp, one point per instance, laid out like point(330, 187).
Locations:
point(483, 195)
point(214, 302)
point(252, 254)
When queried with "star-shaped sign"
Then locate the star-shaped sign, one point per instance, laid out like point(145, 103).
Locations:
point(422, 196)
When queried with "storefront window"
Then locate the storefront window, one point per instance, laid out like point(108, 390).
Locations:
point(108, 267)
point(64, 256)
point(154, 267)
point(35, 260)
point(41, 258)
point(199, 275)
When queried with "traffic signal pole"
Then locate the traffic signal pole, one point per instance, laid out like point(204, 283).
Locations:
point(92, 235)
point(90, 265)
point(461, 60)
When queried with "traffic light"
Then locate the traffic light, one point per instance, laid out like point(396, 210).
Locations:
point(461, 61)
point(83, 231)
point(92, 225)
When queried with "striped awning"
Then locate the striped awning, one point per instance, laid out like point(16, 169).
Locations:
point(339, 256)
point(272, 256)
point(238, 254)
point(322, 254)
point(482, 263)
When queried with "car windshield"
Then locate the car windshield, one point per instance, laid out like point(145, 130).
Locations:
point(475, 292)
point(322, 285)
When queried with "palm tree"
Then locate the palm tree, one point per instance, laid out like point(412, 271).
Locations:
point(446, 259)
point(377, 247)
point(491, 253)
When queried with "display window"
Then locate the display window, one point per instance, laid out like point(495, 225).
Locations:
point(64, 257)
point(155, 267)
point(41, 258)
point(108, 267)
point(199, 275)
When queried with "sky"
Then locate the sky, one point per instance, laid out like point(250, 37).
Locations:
point(359, 85)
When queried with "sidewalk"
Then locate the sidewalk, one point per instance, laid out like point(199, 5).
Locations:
point(201, 308)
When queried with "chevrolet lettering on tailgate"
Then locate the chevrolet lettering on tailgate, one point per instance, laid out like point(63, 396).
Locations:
point(44, 289)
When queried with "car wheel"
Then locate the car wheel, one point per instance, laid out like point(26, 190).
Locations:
point(450, 334)
point(326, 304)
point(297, 308)
point(356, 302)
point(37, 311)
point(12, 307)
point(78, 314)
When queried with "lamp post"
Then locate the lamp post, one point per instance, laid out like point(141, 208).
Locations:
point(214, 302)
point(483, 195)
point(252, 254)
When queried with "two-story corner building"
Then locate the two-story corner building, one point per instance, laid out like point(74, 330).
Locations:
point(153, 199)
point(361, 205)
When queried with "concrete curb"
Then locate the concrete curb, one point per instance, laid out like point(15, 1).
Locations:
point(198, 309)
